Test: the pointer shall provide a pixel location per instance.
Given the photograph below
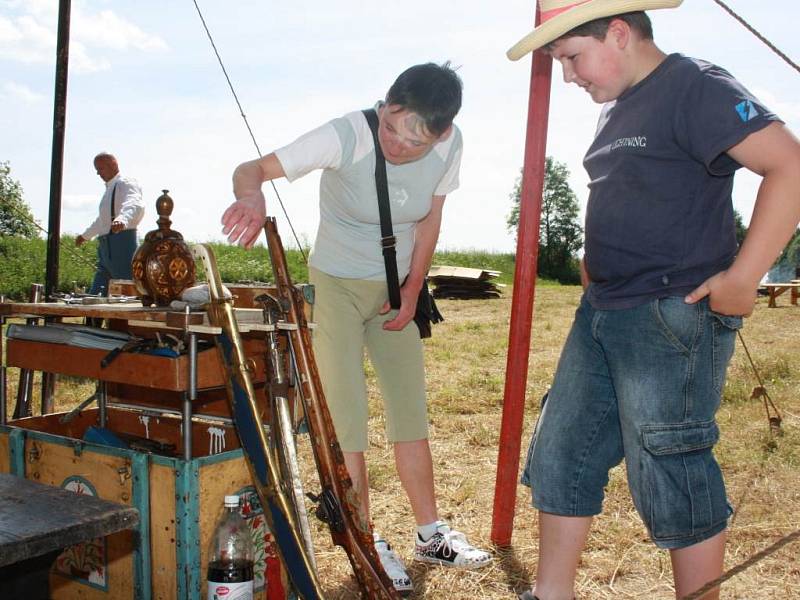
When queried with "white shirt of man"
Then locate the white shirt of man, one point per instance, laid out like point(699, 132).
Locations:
point(128, 207)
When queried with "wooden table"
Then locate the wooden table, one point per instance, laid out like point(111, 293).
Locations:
point(38, 521)
point(776, 289)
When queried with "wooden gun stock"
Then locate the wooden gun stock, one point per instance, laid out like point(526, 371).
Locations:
point(338, 502)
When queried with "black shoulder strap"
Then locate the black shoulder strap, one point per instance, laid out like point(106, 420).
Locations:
point(113, 192)
point(388, 241)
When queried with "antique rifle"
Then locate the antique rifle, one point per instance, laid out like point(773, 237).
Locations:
point(262, 462)
point(282, 430)
point(338, 504)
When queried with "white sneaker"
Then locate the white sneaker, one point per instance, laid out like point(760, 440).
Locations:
point(393, 566)
point(451, 549)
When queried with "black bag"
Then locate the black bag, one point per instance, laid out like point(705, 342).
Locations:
point(427, 312)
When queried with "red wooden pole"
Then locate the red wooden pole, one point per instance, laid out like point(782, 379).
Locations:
point(519, 338)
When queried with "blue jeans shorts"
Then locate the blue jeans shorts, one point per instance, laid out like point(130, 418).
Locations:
point(642, 384)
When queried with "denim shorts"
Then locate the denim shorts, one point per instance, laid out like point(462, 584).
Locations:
point(642, 384)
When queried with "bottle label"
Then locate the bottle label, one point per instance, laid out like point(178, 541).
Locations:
point(230, 591)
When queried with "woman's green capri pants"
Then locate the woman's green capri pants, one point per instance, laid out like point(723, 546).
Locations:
point(347, 320)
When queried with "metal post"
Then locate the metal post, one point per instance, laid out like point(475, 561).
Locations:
point(3, 388)
point(189, 398)
point(24, 406)
point(519, 339)
point(48, 392)
point(102, 404)
point(57, 160)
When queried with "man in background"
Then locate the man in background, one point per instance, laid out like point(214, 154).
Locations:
point(120, 211)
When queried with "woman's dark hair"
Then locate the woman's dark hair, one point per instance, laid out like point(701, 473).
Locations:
point(431, 91)
point(638, 21)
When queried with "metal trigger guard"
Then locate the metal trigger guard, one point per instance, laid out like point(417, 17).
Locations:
point(327, 509)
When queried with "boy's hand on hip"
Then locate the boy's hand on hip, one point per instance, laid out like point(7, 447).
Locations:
point(727, 295)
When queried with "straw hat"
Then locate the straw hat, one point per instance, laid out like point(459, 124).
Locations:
point(560, 16)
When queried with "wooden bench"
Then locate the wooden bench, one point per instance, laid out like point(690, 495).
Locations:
point(38, 521)
point(776, 289)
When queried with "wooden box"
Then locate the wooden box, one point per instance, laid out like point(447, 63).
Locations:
point(179, 502)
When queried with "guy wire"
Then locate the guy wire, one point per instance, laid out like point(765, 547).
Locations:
point(753, 30)
point(247, 124)
point(33, 222)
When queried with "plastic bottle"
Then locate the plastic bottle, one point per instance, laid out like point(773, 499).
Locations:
point(230, 563)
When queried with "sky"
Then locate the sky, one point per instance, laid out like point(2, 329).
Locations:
point(145, 85)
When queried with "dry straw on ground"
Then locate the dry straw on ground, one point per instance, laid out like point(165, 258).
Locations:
point(466, 361)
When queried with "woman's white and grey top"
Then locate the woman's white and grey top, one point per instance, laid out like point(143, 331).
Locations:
point(348, 238)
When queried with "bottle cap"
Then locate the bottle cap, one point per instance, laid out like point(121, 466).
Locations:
point(231, 501)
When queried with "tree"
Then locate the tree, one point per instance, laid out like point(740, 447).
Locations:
point(741, 230)
point(789, 260)
point(16, 218)
point(560, 234)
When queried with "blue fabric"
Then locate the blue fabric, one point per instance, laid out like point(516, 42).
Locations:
point(642, 384)
point(659, 220)
point(114, 255)
point(103, 436)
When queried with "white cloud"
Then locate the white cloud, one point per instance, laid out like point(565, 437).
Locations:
point(106, 30)
point(80, 202)
point(82, 62)
point(26, 40)
point(40, 8)
point(30, 36)
point(786, 109)
point(21, 91)
point(8, 32)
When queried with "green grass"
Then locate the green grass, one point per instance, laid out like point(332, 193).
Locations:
point(23, 261)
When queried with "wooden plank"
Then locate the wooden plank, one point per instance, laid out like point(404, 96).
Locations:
point(162, 526)
point(5, 455)
point(461, 272)
point(63, 518)
point(145, 370)
point(98, 311)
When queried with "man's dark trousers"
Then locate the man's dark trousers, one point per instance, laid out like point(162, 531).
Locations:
point(114, 254)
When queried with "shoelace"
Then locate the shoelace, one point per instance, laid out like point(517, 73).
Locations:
point(452, 540)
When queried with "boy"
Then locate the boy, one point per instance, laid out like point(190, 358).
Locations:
point(422, 148)
point(641, 372)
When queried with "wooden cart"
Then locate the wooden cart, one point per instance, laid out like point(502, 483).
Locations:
point(173, 401)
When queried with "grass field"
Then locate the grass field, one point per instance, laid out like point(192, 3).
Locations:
point(466, 361)
point(466, 370)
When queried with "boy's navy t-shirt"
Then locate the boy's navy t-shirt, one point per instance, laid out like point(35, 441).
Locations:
point(659, 220)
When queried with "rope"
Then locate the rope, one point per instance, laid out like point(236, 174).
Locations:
point(788, 539)
point(33, 222)
point(775, 419)
point(775, 429)
point(247, 124)
point(752, 30)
